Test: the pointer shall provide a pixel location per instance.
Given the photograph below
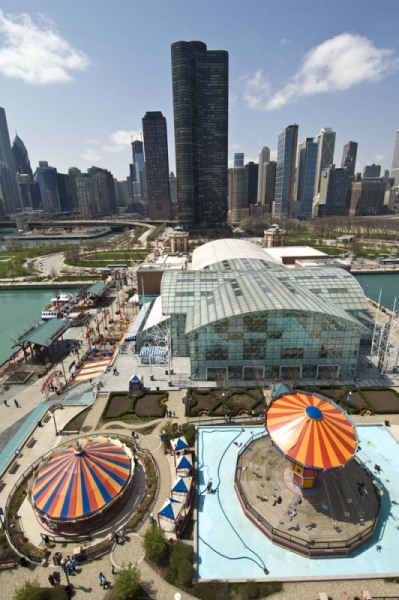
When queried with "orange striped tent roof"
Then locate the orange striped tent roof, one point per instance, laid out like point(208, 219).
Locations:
point(311, 430)
point(80, 481)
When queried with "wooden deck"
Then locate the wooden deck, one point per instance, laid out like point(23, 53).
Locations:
point(331, 519)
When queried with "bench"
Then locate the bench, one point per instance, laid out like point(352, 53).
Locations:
point(7, 565)
point(14, 468)
point(2, 485)
point(31, 443)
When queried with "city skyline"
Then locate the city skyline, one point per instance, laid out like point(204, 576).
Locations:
point(340, 72)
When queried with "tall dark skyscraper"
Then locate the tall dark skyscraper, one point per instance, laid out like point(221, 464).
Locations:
point(200, 105)
point(251, 182)
point(137, 169)
point(9, 196)
point(21, 158)
point(307, 156)
point(349, 157)
point(285, 171)
point(156, 166)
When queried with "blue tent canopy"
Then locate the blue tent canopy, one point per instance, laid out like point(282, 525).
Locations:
point(135, 379)
point(171, 509)
point(179, 444)
point(184, 463)
point(182, 485)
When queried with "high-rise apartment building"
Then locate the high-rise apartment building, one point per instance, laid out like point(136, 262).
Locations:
point(9, 195)
point(46, 178)
point(156, 166)
point(103, 191)
point(285, 171)
point(307, 156)
point(349, 157)
point(325, 154)
point(238, 160)
point(395, 160)
point(200, 106)
point(371, 171)
point(65, 192)
point(264, 158)
point(367, 197)
point(237, 195)
point(333, 197)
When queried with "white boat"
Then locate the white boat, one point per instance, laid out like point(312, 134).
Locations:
point(58, 307)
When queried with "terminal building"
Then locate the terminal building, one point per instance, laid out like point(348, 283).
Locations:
point(240, 316)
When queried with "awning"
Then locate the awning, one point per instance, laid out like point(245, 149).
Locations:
point(171, 509)
point(182, 485)
point(43, 334)
point(138, 323)
point(179, 444)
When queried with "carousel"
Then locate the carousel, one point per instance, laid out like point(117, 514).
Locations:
point(83, 486)
point(303, 484)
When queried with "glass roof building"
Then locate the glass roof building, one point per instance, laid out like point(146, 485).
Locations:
point(239, 316)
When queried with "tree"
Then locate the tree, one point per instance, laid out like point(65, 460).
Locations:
point(127, 582)
point(154, 544)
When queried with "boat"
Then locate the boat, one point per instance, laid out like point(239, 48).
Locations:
point(58, 307)
point(77, 319)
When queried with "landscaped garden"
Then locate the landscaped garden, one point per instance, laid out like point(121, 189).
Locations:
point(357, 400)
point(232, 402)
point(128, 406)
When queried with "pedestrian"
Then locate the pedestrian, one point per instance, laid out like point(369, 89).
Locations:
point(174, 414)
point(102, 579)
point(46, 540)
point(6, 403)
point(377, 468)
point(72, 565)
point(112, 569)
point(16, 403)
point(51, 580)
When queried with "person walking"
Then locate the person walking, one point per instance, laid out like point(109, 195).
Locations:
point(16, 403)
point(6, 403)
point(102, 578)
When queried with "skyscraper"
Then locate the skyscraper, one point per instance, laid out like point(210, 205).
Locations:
point(325, 154)
point(395, 160)
point(21, 158)
point(237, 194)
point(46, 178)
point(238, 159)
point(9, 196)
point(137, 171)
point(307, 156)
point(200, 105)
point(251, 182)
point(371, 171)
point(264, 157)
point(156, 166)
point(285, 171)
point(349, 157)
point(333, 197)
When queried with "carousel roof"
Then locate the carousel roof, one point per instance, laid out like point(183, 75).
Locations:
point(311, 430)
point(82, 479)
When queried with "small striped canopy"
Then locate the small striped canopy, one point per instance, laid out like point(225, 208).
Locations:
point(80, 481)
point(311, 430)
point(182, 485)
point(179, 444)
point(171, 509)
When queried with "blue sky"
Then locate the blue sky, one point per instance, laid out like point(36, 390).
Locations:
point(77, 77)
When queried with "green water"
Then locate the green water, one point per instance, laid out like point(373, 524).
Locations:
point(387, 282)
point(20, 309)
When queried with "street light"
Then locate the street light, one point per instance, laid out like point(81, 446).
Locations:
point(55, 425)
point(2, 521)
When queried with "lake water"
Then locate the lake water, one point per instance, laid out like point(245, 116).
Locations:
point(19, 310)
point(388, 283)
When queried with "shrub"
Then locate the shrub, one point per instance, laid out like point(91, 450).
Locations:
point(155, 546)
point(185, 573)
point(180, 552)
point(127, 582)
point(189, 433)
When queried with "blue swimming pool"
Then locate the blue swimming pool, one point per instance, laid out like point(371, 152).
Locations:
point(230, 547)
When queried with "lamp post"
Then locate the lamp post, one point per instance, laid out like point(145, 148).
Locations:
point(55, 425)
point(2, 521)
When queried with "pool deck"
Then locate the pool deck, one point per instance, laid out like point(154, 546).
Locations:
point(331, 519)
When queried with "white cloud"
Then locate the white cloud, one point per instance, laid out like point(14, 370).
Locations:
point(90, 155)
point(35, 52)
point(121, 139)
point(379, 157)
point(337, 64)
point(257, 90)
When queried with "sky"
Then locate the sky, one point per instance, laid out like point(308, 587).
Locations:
point(77, 77)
